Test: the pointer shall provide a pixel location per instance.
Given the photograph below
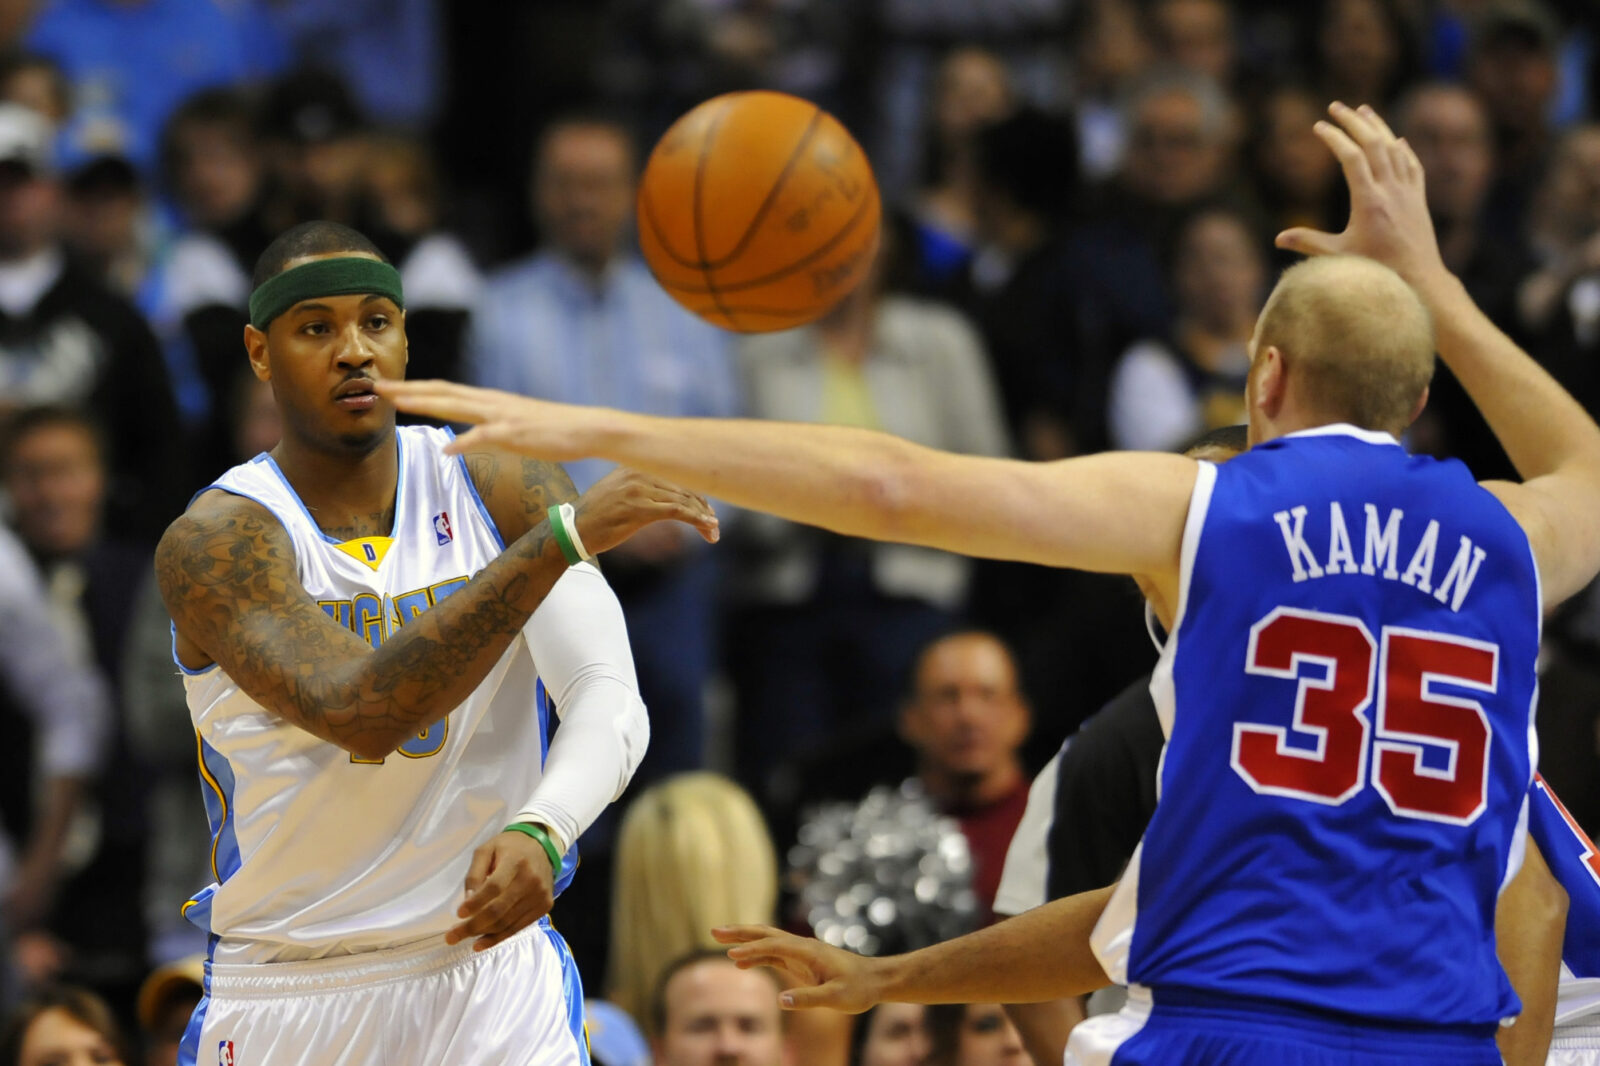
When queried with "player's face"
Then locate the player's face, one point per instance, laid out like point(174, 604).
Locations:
point(896, 1036)
point(322, 356)
point(988, 1038)
point(968, 717)
point(56, 1038)
point(720, 1015)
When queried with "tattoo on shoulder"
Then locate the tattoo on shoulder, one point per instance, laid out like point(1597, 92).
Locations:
point(545, 484)
point(484, 469)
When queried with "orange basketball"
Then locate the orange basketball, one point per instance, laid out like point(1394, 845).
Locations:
point(758, 211)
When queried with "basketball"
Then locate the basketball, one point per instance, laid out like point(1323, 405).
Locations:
point(758, 211)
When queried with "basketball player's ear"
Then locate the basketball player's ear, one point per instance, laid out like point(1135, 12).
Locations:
point(406, 350)
point(1422, 402)
point(255, 345)
point(1272, 382)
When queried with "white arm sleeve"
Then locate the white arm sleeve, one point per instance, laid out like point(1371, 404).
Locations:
point(580, 646)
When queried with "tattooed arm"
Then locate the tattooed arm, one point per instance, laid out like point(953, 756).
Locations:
point(227, 573)
point(517, 490)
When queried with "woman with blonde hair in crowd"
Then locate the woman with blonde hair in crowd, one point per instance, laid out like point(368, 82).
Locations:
point(693, 852)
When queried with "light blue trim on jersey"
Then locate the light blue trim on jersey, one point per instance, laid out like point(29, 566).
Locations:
point(541, 700)
point(173, 626)
point(477, 498)
point(189, 1046)
point(399, 489)
point(572, 988)
point(219, 788)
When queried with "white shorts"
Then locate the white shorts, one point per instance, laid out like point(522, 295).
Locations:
point(518, 1004)
point(1575, 1045)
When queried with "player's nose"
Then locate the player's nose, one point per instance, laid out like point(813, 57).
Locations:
point(352, 350)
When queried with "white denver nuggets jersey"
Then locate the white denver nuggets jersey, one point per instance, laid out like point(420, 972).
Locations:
point(316, 852)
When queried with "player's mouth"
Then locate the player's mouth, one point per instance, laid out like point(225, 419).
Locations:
point(356, 395)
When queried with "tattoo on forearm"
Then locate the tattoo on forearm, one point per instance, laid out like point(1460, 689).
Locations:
point(227, 573)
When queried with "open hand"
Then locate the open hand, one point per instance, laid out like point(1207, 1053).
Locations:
point(510, 885)
point(1389, 218)
point(823, 976)
point(538, 428)
point(626, 501)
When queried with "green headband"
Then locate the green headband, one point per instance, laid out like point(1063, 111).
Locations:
point(343, 276)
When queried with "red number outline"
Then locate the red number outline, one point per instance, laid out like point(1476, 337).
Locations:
point(1297, 661)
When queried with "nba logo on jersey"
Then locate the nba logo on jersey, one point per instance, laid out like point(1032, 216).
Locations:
point(225, 1053)
point(441, 527)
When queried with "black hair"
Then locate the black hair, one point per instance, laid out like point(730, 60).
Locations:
point(82, 1005)
point(1032, 158)
point(29, 419)
point(658, 995)
point(1229, 438)
point(319, 237)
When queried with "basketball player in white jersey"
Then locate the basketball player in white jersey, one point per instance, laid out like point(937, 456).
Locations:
point(374, 636)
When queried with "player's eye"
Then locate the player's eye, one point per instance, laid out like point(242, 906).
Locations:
point(378, 322)
point(314, 329)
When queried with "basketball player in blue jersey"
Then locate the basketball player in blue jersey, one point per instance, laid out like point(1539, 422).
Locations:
point(1347, 689)
point(1576, 864)
point(374, 636)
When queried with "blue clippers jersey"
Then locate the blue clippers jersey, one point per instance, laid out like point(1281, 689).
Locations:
point(1572, 859)
point(1348, 697)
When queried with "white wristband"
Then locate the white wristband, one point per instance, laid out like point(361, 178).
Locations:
point(569, 519)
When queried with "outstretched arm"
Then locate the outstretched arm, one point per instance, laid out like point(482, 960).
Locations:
point(1038, 955)
point(1554, 444)
point(227, 574)
point(1116, 513)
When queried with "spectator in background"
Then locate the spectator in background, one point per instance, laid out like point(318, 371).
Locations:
point(1513, 66)
point(56, 708)
point(825, 626)
point(316, 144)
point(1297, 180)
point(167, 1000)
point(692, 852)
point(110, 229)
point(122, 62)
point(1111, 53)
point(1449, 130)
point(973, 88)
point(1165, 391)
point(66, 339)
point(62, 1026)
point(891, 1034)
point(974, 1034)
point(1565, 231)
point(966, 720)
point(1027, 166)
point(389, 50)
point(1197, 35)
point(54, 473)
point(403, 209)
point(1362, 51)
point(583, 321)
point(708, 1012)
point(36, 81)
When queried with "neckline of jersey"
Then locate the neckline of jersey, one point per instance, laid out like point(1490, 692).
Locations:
point(399, 489)
point(1345, 429)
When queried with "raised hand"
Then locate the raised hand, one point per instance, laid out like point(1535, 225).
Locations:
point(1389, 218)
point(823, 976)
point(626, 501)
point(540, 428)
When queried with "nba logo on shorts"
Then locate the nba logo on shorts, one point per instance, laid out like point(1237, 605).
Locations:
point(225, 1053)
point(441, 527)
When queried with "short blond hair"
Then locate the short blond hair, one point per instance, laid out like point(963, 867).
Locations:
point(1357, 342)
point(692, 852)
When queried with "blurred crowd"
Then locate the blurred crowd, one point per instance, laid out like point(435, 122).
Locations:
point(1082, 196)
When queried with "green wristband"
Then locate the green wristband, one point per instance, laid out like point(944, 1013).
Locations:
point(558, 530)
point(539, 833)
